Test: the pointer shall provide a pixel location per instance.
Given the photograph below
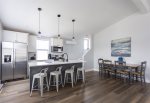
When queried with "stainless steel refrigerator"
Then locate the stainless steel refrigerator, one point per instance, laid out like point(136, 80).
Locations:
point(14, 60)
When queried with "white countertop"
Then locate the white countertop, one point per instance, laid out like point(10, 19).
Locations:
point(47, 63)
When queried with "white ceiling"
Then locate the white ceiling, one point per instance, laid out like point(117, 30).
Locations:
point(91, 15)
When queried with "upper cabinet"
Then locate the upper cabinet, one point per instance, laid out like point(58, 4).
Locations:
point(22, 37)
point(11, 36)
point(56, 42)
point(32, 43)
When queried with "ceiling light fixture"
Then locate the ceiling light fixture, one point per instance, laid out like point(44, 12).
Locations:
point(73, 37)
point(58, 25)
point(39, 9)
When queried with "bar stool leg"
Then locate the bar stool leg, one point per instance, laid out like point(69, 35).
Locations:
point(72, 79)
point(32, 86)
point(65, 79)
point(83, 76)
point(57, 76)
point(47, 84)
point(41, 86)
point(50, 81)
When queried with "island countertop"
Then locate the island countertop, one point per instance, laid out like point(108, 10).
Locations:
point(48, 63)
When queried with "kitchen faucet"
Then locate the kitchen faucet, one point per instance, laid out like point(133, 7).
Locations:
point(64, 58)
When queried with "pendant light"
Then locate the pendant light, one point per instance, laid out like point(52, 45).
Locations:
point(39, 9)
point(58, 25)
point(73, 37)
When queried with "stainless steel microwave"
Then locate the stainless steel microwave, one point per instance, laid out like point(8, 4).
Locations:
point(56, 49)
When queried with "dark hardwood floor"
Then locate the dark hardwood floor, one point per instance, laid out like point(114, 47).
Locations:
point(96, 90)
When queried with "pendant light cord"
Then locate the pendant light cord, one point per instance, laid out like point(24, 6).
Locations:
point(39, 21)
point(39, 9)
point(58, 24)
point(73, 29)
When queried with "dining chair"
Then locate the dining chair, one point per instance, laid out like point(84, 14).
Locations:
point(107, 65)
point(100, 64)
point(140, 73)
point(122, 69)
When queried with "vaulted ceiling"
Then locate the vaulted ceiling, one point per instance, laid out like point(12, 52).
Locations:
point(91, 15)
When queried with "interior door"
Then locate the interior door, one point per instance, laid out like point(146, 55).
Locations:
point(7, 61)
point(20, 65)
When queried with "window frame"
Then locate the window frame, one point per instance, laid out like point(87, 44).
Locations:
point(42, 39)
point(88, 44)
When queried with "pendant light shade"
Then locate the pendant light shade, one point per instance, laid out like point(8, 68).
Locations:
point(73, 37)
point(58, 25)
point(39, 9)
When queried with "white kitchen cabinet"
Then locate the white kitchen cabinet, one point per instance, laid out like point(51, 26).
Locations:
point(22, 37)
point(12, 36)
point(56, 42)
point(60, 43)
point(32, 43)
point(9, 36)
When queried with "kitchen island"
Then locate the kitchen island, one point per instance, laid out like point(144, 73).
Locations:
point(37, 66)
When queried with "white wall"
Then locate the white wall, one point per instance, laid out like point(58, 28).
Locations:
point(136, 26)
point(76, 51)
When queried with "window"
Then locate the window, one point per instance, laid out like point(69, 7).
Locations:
point(86, 43)
point(42, 47)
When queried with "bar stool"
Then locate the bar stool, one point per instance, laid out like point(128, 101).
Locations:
point(56, 74)
point(40, 76)
point(82, 71)
point(71, 72)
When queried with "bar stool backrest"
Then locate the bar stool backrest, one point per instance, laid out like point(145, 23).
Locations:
point(44, 71)
point(59, 69)
point(72, 68)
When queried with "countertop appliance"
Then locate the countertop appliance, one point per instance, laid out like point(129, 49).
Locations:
point(14, 60)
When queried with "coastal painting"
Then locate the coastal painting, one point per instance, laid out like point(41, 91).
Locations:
point(121, 47)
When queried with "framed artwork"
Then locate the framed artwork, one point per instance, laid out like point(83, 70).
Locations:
point(121, 47)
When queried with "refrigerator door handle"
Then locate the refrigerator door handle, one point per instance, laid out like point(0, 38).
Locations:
point(14, 58)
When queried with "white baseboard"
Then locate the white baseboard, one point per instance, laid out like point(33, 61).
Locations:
point(93, 69)
point(88, 70)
